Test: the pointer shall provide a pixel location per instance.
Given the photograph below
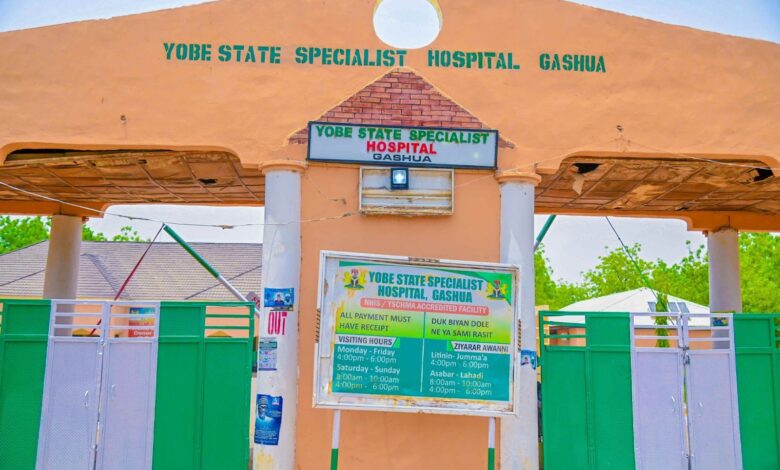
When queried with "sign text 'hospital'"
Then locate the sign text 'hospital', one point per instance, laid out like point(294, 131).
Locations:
point(407, 146)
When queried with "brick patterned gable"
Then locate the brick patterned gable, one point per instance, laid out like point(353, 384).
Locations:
point(399, 98)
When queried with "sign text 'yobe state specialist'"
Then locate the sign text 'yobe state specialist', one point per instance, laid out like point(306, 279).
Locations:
point(398, 335)
point(431, 147)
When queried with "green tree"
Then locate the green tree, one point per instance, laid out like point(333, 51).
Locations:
point(19, 232)
point(662, 305)
point(549, 292)
point(687, 279)
point(89, 235)
point(567, 293)
point(545, 286)
point(128, 234)
point(617, 273)
point(759, 266)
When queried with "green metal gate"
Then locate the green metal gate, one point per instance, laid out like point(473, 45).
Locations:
point(204, 373)
point(24, 330)
point(587, 415)
point(758, 384)
point(203, 388)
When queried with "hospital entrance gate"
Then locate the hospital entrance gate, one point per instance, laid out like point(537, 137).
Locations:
point(620, 391)
point(101, 384)
point(132, 385)
point(686, 413)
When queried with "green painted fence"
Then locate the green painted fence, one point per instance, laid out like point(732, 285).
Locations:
point(202, 404)
point(587, 414)
point(24, 331)
point(756, 342)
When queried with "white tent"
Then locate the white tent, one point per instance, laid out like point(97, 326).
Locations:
point(637, 300)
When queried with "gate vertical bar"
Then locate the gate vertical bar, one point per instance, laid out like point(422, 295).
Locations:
point(69, 418)
point(657, 389)
point(227, 376)
point(609, 390)
point(713, 412)
point(24, 333)
point(756, 344)
point(564, 391)
point(587, 416)
point(128, 385)
point(179, 394)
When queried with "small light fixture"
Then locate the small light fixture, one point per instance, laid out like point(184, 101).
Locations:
point(399, 178)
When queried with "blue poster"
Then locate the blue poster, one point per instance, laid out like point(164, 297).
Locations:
point(269, 420)
point(720, 321)
point(528, 358)
point(279, 299)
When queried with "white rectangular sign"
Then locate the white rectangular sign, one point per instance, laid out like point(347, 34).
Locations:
point(430, 147)
point(429, 336)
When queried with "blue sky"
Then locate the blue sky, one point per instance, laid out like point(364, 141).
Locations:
point(758, 19)
point(572, 245)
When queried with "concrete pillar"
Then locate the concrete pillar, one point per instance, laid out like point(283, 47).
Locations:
point(520, 435)
point(281, 270)
point(725, 289)
point(61, 279)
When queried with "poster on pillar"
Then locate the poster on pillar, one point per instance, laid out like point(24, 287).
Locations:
point(405, 334)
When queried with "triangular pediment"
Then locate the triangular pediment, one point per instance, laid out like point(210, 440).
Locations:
point(400, 98)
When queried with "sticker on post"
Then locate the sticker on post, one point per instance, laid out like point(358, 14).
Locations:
point(267, 353)
point(528, 358)
point(720, 321)
point(269, 420)
point(143, 322)
point(253, 297)
point(279, 299)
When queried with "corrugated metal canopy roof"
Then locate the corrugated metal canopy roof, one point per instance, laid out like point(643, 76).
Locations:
point(167, 272)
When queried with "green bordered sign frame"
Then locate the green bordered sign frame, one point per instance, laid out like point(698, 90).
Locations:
point(416, 335)
point(422, 147)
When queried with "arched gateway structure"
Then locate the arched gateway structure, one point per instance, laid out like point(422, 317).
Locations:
point(597, 114)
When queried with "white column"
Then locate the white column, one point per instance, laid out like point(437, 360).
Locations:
point(281, 270)
point(61, 278)
point(725, 290)
point(520, 435)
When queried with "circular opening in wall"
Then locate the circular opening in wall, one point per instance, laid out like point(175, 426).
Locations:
point(407, 24)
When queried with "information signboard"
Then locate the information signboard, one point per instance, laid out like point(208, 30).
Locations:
point(399, 334)
point(429, 147)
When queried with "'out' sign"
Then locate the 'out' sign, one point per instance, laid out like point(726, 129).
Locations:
point(277, 322)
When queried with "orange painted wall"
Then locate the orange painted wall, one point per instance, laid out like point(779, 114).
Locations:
point(673, 89)
point(389, 440)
